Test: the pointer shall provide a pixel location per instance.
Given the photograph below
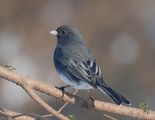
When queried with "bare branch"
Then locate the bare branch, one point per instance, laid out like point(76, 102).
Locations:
point(110, 117)
point(74, 93)
point(11, 114)
point(52, 91)
point(44, 104)
point(28, 88)
point(60, 109)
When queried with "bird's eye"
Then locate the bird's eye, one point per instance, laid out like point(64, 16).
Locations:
point(63, 32)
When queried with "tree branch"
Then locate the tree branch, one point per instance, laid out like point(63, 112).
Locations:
point(13, 115)
point(52, 91)
point(43, 104)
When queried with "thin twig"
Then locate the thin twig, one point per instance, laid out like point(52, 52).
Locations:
point(63, 107)
point(44, 104)
point(74, 93)
point(11, 114)
point(110, 117)
point(49, 115)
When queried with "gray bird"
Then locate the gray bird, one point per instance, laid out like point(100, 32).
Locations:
point(77, 66)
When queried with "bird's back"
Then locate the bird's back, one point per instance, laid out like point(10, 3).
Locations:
point(79, 52)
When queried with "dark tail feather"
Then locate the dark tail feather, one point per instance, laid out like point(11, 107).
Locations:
point(115, 96)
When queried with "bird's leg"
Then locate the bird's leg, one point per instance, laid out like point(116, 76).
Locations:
point(92, 96)
point(89, 102)
point(62, 88)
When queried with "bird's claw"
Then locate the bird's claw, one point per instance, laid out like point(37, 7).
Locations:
point(62, 88)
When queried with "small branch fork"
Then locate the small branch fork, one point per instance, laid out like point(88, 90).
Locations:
point(30, 86)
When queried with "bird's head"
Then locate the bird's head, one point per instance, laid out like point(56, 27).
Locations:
point(67, 34)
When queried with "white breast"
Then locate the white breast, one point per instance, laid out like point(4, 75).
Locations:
point(80, 85)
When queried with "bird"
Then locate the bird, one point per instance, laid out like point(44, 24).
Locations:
point(77, 66)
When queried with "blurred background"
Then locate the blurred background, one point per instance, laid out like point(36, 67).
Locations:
point(120, 33)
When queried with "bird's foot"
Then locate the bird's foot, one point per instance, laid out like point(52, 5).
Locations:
point(62, 88)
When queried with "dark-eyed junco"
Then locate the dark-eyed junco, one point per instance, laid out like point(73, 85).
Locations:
point(77, 66)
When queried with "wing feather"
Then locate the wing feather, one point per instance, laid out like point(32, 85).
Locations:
point(88, 71)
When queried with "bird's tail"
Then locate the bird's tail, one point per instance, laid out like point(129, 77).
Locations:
point(115, 96)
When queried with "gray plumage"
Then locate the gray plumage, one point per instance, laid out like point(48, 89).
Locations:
point(77, 66)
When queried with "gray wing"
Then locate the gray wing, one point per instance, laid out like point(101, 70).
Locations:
point(87, 71)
